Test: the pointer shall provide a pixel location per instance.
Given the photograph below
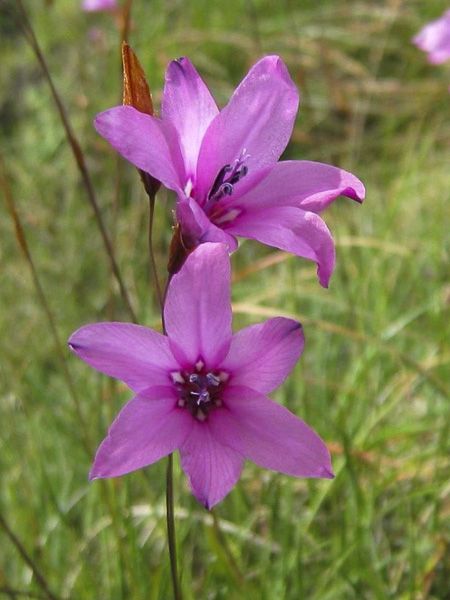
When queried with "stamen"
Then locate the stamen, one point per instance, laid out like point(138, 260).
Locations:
point(212, 379)
point(226, 178)
point(199, 391)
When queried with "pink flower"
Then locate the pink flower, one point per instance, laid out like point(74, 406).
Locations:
point(223, 165)
point(200, 389)
point(434, 39)
point(99, 5)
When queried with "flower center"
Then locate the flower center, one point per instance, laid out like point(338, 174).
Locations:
point(199, 390)
point(226, 179)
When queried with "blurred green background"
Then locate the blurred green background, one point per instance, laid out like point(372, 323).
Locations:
point(374, 374)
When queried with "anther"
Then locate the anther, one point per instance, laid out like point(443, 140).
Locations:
point(212, 379)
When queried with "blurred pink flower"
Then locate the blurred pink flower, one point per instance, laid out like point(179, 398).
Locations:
point(200, 389)
point(99, 5)
point(434, 39)
point(224, 166)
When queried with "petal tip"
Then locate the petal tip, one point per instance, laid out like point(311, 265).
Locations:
point(357, 191)
point(326, 473)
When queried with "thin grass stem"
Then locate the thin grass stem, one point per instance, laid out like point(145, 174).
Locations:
point(79, 157)
point(40, 579)
point(60, 350)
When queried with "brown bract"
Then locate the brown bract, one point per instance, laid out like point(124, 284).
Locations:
point(136, 93)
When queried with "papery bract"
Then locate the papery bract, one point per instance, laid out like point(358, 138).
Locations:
point(200, 389)
point(99, 5)
point(434, 39)
point(223, 165)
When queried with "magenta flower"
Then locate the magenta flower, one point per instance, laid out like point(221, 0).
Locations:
point(434, 39)
point(200, 389)
point(99, 5)
point(223, 165)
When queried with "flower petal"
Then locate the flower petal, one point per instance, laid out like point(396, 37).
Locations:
point(212, 469)
point(270, 435)
point(257, 121)
point(262, 356)
point(189, 106)
point(147, 428)
point(137, 355)
point(306, 184)
point(197, 228)
point(292, 229)
point(198, 307)
point(145, 141)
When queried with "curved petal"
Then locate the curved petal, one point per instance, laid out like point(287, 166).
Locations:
point(262, 356)
point(198, 307)
point(189, 106)
point(306, 184)
point(212, 469)
point(257, 122)
point(145, 141)
point(147, 428)
point(197, 228)
point(137, 355)
point(270, 435)
point(292, 229)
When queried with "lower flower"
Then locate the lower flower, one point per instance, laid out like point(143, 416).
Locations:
point(202, 390)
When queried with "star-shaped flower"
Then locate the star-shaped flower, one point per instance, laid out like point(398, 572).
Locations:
point(223, 165)
point(200, 389)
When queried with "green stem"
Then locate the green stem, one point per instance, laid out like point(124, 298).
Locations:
point(171, 529)
point(170, 512)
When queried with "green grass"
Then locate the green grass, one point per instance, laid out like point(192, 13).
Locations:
point(375, 371)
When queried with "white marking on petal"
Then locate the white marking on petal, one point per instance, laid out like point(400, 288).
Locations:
point(199, 365)
point(200, 416)
point(181, 403)
point(224, 376)
point(188, 187)
point(228, 217)
point(177, 377)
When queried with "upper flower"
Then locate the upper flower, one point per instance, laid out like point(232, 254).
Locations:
point(98, 5)
point(223, 164)
point(201, 389)
point(434, 39)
